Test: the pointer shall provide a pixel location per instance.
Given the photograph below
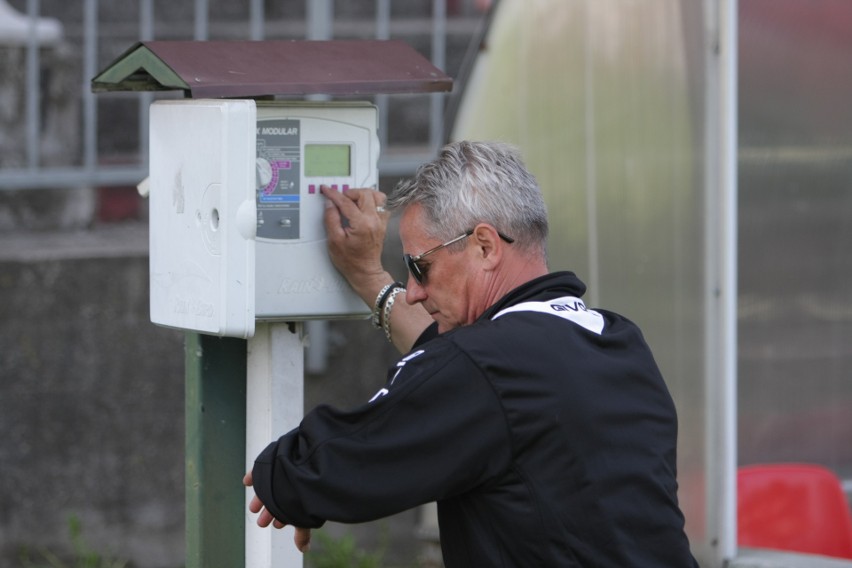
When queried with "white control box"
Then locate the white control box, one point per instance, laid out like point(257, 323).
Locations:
point(236, 213)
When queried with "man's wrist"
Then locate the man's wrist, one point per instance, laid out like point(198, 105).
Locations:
point(384, 300)
point(387, 306)
point(381, 298)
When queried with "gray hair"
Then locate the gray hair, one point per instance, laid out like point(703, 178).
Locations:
point(477, 182)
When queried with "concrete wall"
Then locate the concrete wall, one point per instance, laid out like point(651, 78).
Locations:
point(91, 399)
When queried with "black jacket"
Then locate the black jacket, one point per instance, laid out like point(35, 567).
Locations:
point(546, 435)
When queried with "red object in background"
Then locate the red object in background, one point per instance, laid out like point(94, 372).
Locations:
point(794, 507)
point(118, 204)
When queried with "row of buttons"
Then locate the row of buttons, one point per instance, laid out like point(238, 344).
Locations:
point(312, 188)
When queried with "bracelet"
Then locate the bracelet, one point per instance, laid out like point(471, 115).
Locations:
point(380, 300)
point(386, 324)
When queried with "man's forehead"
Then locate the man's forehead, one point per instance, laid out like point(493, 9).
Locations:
point(412, 223)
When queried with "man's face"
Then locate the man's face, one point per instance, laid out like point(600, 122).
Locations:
point(448, 291)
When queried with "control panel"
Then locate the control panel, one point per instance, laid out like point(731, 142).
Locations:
point(236, 213)
point(299, 148)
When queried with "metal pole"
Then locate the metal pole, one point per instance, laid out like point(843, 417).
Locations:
point(591, 158)
point(201, 20)
point(383, 15)
point(90, 109)
point(320, 15)
point(439, 57)
point(274, 406)
point(33, 87)
point(256, 18)
point(146, 33)
point(721, 279)
point(215, 450)
point(729, 143)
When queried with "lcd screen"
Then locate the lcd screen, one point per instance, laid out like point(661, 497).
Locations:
point(327, 160)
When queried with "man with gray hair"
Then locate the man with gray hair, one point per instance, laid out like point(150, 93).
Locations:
point(542, 427)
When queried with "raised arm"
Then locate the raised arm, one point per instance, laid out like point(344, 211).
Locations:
point(356, 228)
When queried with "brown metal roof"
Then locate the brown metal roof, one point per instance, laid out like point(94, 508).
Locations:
point(250, 69)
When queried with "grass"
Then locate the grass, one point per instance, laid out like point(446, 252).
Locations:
point(83, 556)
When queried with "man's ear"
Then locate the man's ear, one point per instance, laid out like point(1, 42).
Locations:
point(488, 244)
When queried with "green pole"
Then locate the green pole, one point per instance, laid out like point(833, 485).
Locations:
point(215, 451)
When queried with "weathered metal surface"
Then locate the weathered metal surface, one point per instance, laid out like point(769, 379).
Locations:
point(215, 450)
point(252, 69)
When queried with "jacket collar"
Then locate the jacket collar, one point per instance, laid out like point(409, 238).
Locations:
point(545, 287)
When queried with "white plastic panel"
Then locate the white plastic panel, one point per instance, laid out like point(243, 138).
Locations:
point(202, 215)
point(299, 148)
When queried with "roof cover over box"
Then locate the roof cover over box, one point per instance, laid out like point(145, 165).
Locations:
point(250, 69)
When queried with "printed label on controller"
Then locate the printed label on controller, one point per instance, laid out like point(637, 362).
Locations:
point(278, 178)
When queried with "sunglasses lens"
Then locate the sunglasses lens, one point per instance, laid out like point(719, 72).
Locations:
point(414, 269)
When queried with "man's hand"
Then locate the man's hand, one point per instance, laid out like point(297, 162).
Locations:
point(356, 224)
point(302, 538)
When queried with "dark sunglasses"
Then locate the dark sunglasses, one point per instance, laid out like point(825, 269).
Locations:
point(419, 272)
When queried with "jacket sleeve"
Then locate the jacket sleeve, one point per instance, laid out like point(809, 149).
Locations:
point(437, 429)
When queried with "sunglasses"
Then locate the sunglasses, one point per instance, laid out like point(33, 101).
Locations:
point(418, 272)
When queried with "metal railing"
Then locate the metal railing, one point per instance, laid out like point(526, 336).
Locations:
point(94, 166)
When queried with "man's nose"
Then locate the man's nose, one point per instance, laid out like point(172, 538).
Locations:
point(414, 292)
